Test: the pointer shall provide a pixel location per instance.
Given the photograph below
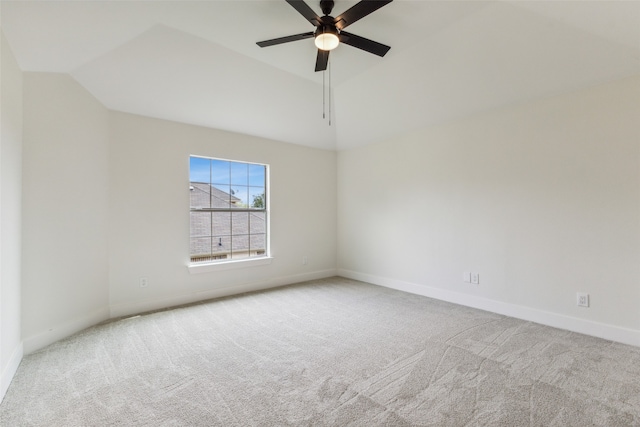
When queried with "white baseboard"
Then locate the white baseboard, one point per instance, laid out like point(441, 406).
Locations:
point(561, 321)
point(142, 306)
point(10, 370)
point(58, 332)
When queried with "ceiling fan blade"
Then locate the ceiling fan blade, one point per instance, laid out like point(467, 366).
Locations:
point(304, 10)
point(358, 11)
point(364, 44)
point(322, 60)
point(286, 39)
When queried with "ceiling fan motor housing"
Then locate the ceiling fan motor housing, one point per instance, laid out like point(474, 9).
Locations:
point(326, 26)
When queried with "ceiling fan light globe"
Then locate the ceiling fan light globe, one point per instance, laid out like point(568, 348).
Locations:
point(327, 41)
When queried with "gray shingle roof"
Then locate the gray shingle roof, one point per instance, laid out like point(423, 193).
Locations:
point(207, 196)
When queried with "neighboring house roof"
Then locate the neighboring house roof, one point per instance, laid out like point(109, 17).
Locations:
point(222, 232)
point(206, 195)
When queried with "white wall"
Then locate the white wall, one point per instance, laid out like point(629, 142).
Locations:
point(10, 215)
point(65, 209)
point(149, 212)
point(543, 200)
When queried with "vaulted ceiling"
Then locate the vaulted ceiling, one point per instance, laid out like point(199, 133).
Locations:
point(197, 62)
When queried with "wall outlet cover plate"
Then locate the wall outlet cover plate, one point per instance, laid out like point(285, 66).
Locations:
point(582, 299)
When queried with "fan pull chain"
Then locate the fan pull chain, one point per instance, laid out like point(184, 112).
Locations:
point(329, 66)
point(324, 92)
point(324, 108)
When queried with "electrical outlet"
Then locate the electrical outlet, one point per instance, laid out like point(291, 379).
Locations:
point(583, 299)
point(305, 260)
point(144, 282)
point(466, 276)
point(475, 278)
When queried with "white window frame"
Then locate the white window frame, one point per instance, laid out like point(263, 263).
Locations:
point(227, 264)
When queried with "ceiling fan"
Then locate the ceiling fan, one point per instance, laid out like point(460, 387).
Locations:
point(330, 32)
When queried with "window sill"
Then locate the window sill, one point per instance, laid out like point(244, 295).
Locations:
point(227, 265)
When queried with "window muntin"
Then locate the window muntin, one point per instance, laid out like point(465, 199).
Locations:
point(228, 212)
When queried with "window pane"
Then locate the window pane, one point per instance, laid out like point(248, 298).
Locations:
point(257, 223)
point(200, 246)
point(200, 224)
point(257, 198)
point(199, 169)
point(240, 247)
point(258, 244)
point(239, 174)
point(239, 223)
point(220, 196)
point(221, 223)
point(221, 245)
point(199, 194)
point(219, 171)
point(239, 197)
point(257, 175)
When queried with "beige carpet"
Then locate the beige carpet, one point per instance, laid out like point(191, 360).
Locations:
point(332, 352)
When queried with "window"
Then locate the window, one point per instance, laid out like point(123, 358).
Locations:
point(228, 210)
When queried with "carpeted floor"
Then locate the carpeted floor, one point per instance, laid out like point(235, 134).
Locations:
point(331, 352)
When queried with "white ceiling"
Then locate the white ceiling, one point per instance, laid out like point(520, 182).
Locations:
point(197, 61)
